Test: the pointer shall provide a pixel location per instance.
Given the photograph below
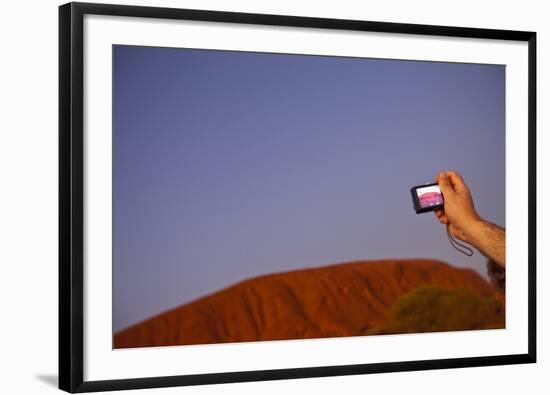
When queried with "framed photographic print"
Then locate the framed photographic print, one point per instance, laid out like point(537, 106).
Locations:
point(257, 197)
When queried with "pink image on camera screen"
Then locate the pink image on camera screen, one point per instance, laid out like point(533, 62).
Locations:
point(430, 196)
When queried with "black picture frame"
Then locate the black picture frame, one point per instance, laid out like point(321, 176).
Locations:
point(71, 195)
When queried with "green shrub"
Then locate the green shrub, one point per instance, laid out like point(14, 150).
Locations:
point(435, 309)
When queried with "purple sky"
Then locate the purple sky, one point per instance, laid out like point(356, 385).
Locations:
point(229, 165)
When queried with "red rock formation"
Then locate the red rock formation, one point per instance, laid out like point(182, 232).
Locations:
point(347, 299)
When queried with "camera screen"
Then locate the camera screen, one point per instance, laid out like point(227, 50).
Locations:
point(429, 196)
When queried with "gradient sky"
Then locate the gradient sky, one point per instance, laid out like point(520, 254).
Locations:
point(229, 165)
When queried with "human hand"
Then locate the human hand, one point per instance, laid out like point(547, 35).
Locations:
point(459, 212)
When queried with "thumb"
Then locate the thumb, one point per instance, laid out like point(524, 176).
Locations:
point(445, 184)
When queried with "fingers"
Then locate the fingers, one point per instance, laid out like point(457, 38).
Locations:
point(451, 181)
point(444, 184)
point(440, 214)
point(456, 181)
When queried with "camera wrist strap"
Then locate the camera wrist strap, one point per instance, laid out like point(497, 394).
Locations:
point(459, 246)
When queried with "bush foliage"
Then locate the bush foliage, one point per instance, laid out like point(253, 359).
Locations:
point(436, 309)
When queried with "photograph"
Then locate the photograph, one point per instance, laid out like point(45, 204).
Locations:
point(430, 196)
point(261, 196)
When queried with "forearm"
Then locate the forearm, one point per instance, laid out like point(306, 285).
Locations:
point(490, 239)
